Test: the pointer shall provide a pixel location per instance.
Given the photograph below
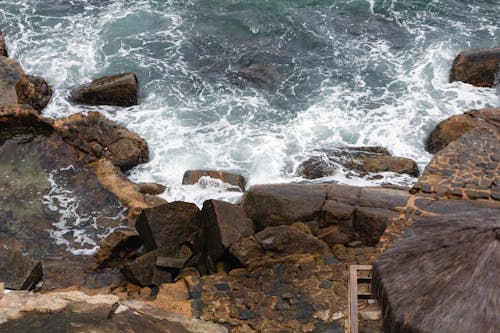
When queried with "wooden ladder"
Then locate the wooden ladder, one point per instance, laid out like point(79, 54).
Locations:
point(354, 293)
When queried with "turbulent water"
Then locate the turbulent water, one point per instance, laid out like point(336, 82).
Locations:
point(350, 73)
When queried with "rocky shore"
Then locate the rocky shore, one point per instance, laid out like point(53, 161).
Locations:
point(276, 262)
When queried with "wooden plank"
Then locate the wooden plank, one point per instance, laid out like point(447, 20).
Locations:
point(353, 299)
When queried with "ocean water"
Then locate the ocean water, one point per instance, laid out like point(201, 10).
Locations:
point(351, 72)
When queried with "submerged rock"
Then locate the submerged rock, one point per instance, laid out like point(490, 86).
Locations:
point(361, 159)
point(262, 76)
point(3, 46)
point(454, 127)
point(477, 67)
point(151, 188)
point(119, 90)
point(193, 176)
point(18, 88)
point(95, 137)
point(17, 271)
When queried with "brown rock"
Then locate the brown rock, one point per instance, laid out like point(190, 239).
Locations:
point(169, 226)
point(477, 67)
point(143, 271)
point(96, 136)
point(193, 176)
point(117, 249)
point(151, 188)
point(361, 159)
point(223, 225)
point(34, 91)
point(18, 88)
point(117, 183)
point(17, 271)
point(271, 205)
point(14, 117)
point(370, 223)
point(3, 46)
point(454, 127)
point(119, 90)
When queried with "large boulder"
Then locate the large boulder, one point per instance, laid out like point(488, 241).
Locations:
point(193, 176)
point(119, 90)
point(23, 117)
point(272, 205)
point(454, 127)
point(169, 226)
point(3, 46)
point(144, 272)
point(477, 67)
point(17, 271)
point(223, 225)
point(95, 137)
point(359, 159)
point(18, 88)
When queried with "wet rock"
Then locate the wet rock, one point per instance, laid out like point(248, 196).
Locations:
point(262, 76)
point(127, 192)
point(119, 90)
point(223, 225)
point(151, 188)
point(193, 176)
point(18, 88)
point(34, 91)
point(3, 46)
point(277, 241)
point(15, 118)
point(360, 159)
point(19, 272)
point(96, 137)
point(272, 205)
point(169, 226)
point(117, 249)
point(477, 67)
point(454, 127)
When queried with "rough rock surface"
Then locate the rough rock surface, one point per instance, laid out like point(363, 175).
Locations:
point(77, 312)
point(35, 92)
point(223, 224)
point(117, 249)
point(169, 226)
point(23, 118)
point(468, 167)
point(143, 271)
point(335, 213)
point(151, 188)
point(119, 90)
point(477, 67)
point(17, 271)
point(193, 176)
point(262, 76)
point(454, 127)
point(96, 137)
point(18, 88)
point(359, 159)
point(3, 46)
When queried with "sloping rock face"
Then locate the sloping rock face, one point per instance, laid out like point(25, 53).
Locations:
point(467, 168)
point(18, 88)
point(359, 159)
point(477, 67)
point(335, 213)
point(17, 271)
point(77, 312)
point(193, 176)
point(119, 90)
point(454, 127)
point(3, 46)
point(97, 137)
point(52, 209)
